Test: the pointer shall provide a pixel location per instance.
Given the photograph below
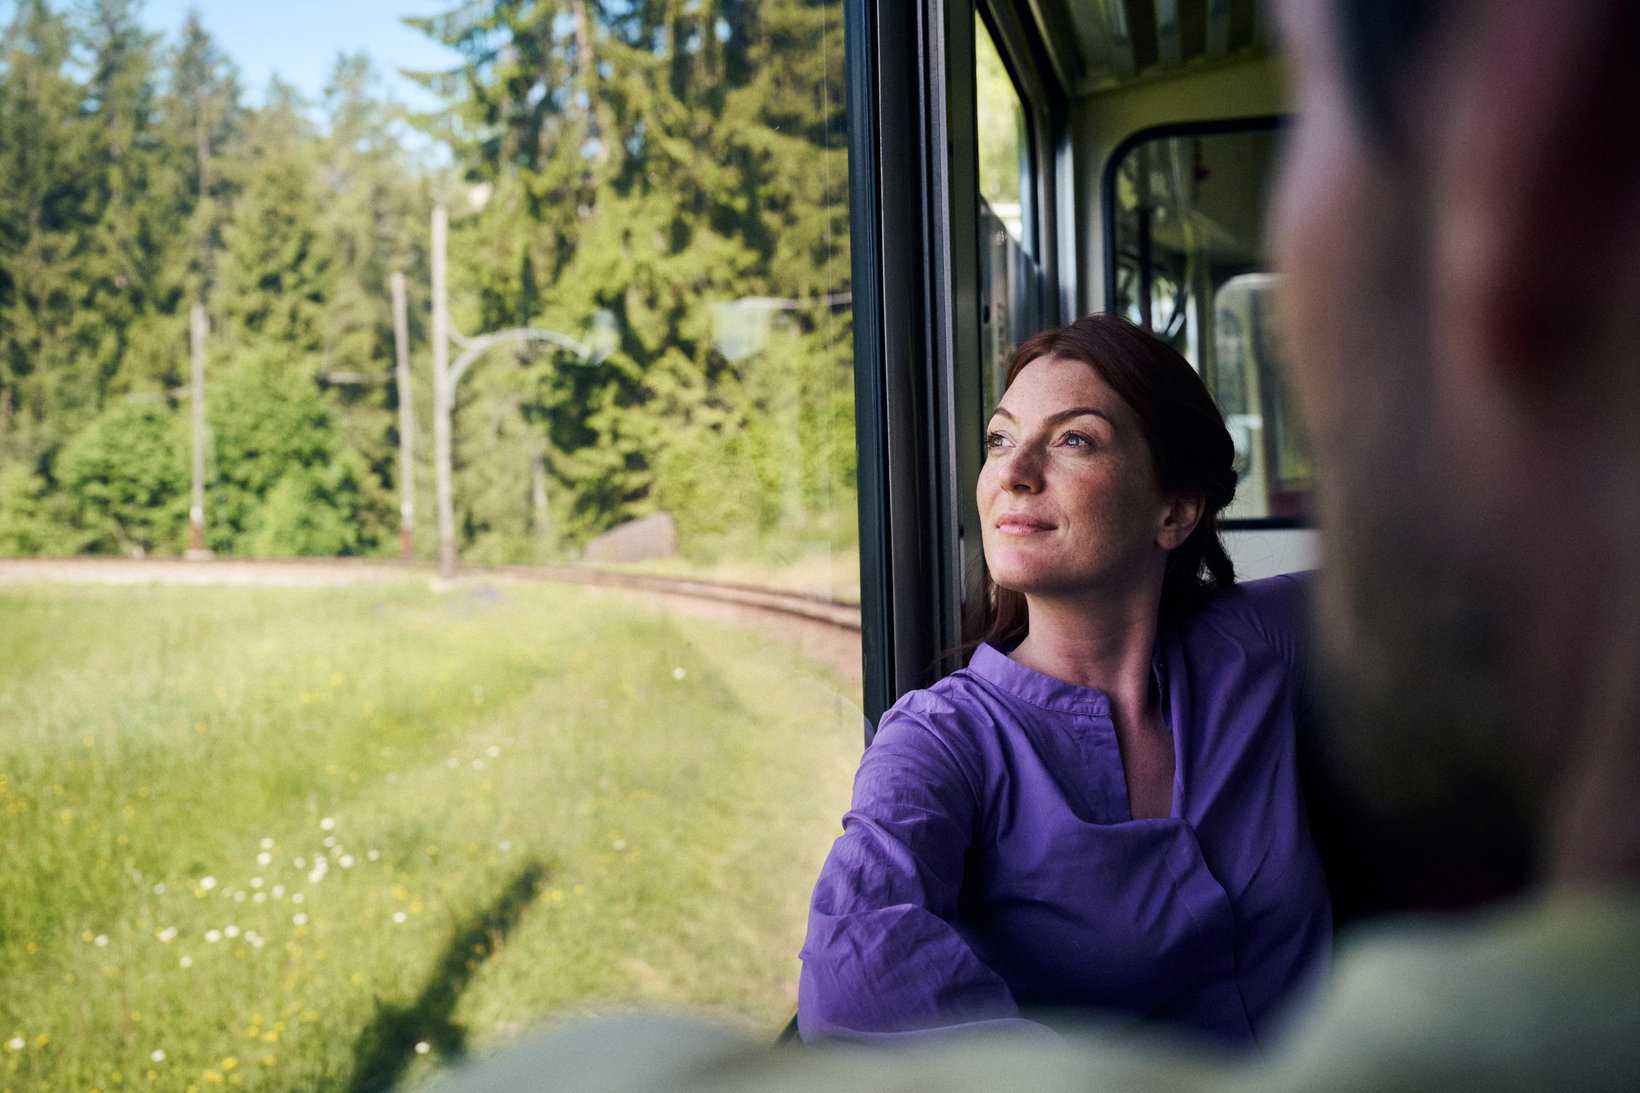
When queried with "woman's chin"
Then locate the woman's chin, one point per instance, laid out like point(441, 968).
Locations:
point(1025, 580)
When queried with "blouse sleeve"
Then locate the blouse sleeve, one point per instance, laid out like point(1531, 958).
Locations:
point(882, 959)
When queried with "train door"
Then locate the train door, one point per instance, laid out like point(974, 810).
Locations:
point(1013, 165)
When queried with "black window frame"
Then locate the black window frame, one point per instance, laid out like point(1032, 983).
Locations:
point(914, 211)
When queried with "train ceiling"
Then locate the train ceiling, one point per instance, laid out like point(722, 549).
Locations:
point(1099, 44)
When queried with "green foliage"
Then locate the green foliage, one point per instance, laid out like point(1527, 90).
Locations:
point(308, 513)
point(284, 484)
point(32, 517)
point(667, 175)
point(131, 312)
point(711, 481)
point(659, 161)
point(276, 269)
point(44, 176)
point(126, 477)
point(204, 115)
point(133, 182)
point(1001, 127)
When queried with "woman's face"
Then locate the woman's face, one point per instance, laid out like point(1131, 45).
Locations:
point(1068, 498)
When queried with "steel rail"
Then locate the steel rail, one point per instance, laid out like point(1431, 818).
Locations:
point(327, 571)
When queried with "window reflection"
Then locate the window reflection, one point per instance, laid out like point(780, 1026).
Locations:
point(1004, 143)
point(1271, 458)
point(1011, 305)
point(1189, 264)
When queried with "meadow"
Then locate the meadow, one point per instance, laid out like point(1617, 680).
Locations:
point(333, 839)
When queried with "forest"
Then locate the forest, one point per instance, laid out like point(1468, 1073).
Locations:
point(663, 179)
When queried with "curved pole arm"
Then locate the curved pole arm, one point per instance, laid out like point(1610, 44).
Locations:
point(476, 347)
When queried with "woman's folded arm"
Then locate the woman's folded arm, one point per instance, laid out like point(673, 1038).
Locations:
point(883, 957)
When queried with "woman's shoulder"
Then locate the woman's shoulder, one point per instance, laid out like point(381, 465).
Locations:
point(1279, 599)
point(1272, 610)
point(956, 716)
point(948, 706)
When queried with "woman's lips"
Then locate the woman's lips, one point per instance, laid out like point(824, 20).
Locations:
point(1023, 525)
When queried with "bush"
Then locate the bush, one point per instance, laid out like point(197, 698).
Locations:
point(126, 480)
point(284, 483)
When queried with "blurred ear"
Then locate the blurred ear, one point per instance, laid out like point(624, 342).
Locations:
point(1537, 183)
point(1183, 512)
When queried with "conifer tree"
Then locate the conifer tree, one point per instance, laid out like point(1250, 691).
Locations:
point(133, 311)
point(44, 201)
point(44, 197)
point(126, 479)
point(133, 183)
point(275, 272)
point(654, 161)
point(376, 215)
point(205, 116)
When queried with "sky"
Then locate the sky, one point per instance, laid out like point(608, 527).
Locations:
point(299, 39)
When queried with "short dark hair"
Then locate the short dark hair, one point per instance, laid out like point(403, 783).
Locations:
point(1188, 442)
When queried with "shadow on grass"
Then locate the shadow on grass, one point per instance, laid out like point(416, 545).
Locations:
point(388, 1044)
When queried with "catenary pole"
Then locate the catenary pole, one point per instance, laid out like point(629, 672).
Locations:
point(447, 375)
point(407, 420)
point(441, 398)
point(196, 505)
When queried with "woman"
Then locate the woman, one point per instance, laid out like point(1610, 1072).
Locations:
point(1101, 810)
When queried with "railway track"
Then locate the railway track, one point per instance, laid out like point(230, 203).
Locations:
point(338, 571)
point(842, 615)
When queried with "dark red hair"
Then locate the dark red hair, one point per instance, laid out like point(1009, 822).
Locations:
point(1189, 445)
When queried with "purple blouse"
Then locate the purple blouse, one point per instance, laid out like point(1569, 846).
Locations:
point(989, 861)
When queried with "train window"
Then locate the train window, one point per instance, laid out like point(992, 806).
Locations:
point(1010, 267)
point(1004, 142)
point(277, 819)
point(1186, 216)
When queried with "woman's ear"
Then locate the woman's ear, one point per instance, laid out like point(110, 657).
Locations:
point(1179, 519)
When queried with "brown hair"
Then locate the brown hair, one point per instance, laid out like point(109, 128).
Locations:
point(1189, 445)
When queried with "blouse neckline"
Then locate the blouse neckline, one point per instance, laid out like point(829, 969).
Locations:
point(1003, 672)
point(1006, 674)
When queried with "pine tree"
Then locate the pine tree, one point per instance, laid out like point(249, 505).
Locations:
point(44, 197)
point(275, 274)
point(126, 478)
point(133, 183)
point(204, 115)
point(133, 314)
point(375, 219)
point(647, 160)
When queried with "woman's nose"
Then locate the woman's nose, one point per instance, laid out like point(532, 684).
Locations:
point(1021, 470)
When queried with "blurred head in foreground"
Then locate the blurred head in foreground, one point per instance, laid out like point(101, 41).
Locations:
point(1459, 222)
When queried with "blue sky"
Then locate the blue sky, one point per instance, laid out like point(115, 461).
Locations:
point(300, 38)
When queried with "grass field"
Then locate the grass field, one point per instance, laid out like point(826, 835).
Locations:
point(328, 839)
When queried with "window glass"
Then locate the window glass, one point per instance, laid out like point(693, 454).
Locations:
point(1010, 274)
point(1004, 144)
point(279, 806)
point(1189, 263)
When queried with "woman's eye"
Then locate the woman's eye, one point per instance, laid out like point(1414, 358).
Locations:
point(1077, 440)
point(995, 442)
